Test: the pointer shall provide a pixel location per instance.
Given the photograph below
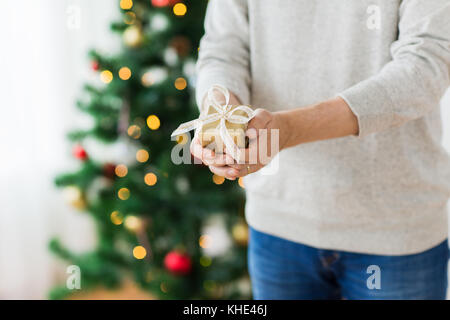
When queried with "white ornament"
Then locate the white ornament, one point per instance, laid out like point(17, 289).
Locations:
point(132, 36)
point(170, 57)
point(159, 22)
point(244, 286)
point(182, 185)
point(154, 75)
point(220, 241)
point(121, 151)
point(99, 184)
point(189, 68)
point(72, 194)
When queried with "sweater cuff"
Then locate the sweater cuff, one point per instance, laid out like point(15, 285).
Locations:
point(372, 106)
point(238, 87)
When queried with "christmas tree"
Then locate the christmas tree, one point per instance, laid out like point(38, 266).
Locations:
point(151, 214)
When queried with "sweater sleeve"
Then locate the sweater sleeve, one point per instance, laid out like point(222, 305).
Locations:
point(413, 83)
point(224, 50)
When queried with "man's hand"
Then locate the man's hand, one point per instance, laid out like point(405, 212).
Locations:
point(327, 120)
point(266, 133)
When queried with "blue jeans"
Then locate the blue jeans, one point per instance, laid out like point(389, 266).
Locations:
point(281, 269)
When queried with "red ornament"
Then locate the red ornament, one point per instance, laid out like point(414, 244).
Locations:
point(178, 263)
point(164, 3)
point(79, 152)
point(95, 65)
point(109, 170)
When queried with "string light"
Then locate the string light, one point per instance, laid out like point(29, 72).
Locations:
point(139, 252)
point(134, 131)
point(129, 18)
point(126, 4)
point(218, 179)
point(205, 261)
point(179, 9)
point(241, 182)
point(124, 73)
point(121, 170)
point(116, 218)
point(123, 193)
point(180, 83)
point(150, 179)
point(75, 197)
point(142, 155)
point(240, 233)
point(153, 122)
point(106, 76)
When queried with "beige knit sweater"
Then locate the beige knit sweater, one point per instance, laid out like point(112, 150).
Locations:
point(384, 192)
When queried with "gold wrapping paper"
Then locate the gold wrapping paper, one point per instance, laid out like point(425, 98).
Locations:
point(210, 137)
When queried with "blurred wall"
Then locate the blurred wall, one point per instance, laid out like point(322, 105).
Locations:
point(43, 65)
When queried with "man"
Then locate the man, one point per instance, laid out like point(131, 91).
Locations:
point(357, 209)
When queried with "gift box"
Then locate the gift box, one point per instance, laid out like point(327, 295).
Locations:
point(223, 126)
point(209, 134)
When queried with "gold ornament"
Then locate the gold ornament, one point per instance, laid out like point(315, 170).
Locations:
point(240, 233)
point(74, 196)
point(129, 17)
point(133, 36)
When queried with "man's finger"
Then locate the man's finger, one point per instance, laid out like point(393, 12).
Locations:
point(225, 171)
point(219, 160)
point(236, 166)
point(246, 169)
point(251, 133)
point(201, 153)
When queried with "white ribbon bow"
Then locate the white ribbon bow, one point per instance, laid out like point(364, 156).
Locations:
point(224, 113)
